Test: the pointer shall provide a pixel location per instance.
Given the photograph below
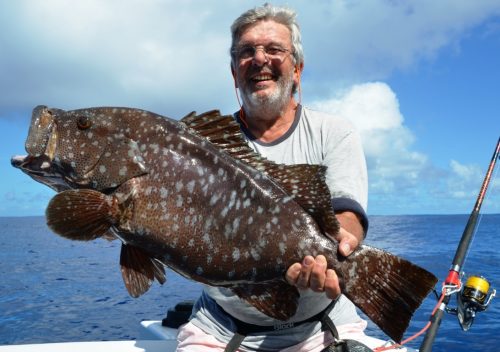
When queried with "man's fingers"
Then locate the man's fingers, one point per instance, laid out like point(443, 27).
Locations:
point(313, 273)
point(347, 242)
point(332, 287)
point(318, 274)
point(292, 274)
point(305, 272)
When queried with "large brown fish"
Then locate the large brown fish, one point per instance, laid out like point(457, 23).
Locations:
point(193, 196)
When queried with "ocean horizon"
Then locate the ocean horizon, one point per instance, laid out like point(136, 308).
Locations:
point(56, 290)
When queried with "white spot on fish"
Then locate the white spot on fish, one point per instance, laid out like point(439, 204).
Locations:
point(236, 254)
point(255, 254)
point(282, 247)
point(180, 201)
point(102, 169)
point(190, 186)
point(163, 192)
point(123, 171)
point(214, 198)
point(200, 171)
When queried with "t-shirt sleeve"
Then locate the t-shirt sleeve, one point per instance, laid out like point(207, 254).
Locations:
point(346, 173)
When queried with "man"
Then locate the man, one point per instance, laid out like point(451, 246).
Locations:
point(266, 63)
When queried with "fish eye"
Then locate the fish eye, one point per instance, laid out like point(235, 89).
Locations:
point(83, 122)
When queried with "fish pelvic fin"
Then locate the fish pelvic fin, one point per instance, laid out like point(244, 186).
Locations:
point(82, 214)
point(304, 183)
point(276, 299)
point(139, 270)
point(387, 288)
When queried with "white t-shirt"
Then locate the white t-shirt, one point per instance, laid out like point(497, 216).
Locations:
point(314, 138)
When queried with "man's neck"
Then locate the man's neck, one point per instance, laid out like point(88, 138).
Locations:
point(267, 129)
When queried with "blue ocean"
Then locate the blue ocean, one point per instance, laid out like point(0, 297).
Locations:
point(53, 289)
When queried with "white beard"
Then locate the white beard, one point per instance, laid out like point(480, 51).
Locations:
point(271, 105)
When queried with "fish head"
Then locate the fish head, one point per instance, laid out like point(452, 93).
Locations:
point(85, 148)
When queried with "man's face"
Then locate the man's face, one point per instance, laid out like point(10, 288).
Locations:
point(262, 79)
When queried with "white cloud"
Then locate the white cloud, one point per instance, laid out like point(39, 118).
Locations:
point(356, 41)
point(374, 110)
point(400, 177)
point(173, 56)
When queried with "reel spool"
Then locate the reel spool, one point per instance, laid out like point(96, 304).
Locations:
point(473, 298)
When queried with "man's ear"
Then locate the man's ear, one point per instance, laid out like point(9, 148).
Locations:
point(233, 72)
point(299, 68)
point(298, 71)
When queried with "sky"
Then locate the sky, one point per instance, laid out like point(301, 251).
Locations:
point(419, 80)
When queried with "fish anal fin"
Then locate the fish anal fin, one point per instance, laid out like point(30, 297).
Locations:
point(387, 288)
point(276, 299)
point(139, 270)
point(81, 214)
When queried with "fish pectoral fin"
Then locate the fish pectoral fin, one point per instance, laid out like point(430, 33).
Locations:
point(139, 270)
point(276, 299)
point(387, 288)
point(81, 214)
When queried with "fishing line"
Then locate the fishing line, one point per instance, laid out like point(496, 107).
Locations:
point(418, 333)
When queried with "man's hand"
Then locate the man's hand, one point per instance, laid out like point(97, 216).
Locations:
point(313, 274)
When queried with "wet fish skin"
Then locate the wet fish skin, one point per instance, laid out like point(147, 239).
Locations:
point(191, 195)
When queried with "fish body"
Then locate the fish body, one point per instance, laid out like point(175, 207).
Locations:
point(191, 195)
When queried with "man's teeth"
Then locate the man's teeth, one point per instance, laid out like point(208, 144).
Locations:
point(262, 78)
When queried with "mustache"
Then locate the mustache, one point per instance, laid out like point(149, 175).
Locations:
point(254, 70)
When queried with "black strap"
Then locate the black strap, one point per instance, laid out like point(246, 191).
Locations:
point(243, 329)
point(234, 343)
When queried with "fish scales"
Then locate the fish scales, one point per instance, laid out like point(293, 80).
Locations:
point(191, 195)
point(234, 192)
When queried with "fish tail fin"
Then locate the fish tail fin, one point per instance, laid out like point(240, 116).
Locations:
point(387, 288)
point(81, 214)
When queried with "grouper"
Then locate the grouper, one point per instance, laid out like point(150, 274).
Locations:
point(192, 196)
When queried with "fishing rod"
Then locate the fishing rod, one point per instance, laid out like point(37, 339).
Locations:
point(473, 297)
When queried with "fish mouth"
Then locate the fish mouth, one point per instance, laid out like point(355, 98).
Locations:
point(41, 170)
point(42, 167)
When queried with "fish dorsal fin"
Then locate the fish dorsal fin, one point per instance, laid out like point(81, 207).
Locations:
point(304, 183)
point(307, 185)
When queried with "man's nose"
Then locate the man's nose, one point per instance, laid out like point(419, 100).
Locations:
point(260, 57)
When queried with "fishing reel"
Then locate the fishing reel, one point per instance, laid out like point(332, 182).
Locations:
point(472, 298)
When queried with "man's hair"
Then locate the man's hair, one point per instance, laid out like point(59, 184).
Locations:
point(283, 15)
